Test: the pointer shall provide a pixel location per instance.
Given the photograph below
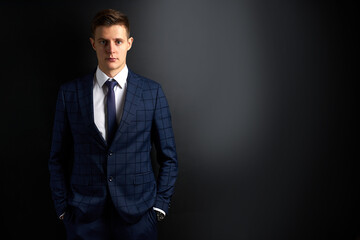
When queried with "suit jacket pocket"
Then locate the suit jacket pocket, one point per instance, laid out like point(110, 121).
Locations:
point(144, 178)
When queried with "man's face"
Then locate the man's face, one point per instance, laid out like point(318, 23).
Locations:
point(111, 44)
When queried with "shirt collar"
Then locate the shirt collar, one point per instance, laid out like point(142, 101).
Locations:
point(121, 77)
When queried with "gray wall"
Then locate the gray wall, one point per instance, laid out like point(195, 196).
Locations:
point(262, 101)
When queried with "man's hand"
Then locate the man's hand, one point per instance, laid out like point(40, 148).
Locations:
point(160, 216)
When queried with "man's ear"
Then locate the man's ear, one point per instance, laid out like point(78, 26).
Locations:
point(130, 42)
point(92, 41)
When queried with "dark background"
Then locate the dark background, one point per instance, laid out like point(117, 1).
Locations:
point(263, 102)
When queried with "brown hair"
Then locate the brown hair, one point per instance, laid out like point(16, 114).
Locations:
point(109, 17)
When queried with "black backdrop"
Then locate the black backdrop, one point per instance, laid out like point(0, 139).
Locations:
point(263, 106)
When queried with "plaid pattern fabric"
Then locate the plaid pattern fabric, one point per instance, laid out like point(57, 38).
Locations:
point(122, 168)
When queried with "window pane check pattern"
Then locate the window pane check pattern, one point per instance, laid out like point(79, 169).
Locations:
point(122, 166)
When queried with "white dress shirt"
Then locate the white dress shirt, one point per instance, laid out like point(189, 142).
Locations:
point(99, 97)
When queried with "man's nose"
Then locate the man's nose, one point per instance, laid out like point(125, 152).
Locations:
point(110, 48)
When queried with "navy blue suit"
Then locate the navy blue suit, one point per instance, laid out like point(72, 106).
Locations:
point(86, 171)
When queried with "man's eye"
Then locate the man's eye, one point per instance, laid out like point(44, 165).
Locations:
point(118, 42)
point(102, 42)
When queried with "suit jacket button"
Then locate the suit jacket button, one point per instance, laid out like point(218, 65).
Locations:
point(111, 179)
point(110, 153)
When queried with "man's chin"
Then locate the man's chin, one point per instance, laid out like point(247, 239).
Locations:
point(111, 67)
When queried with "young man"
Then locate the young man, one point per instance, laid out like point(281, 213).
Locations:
point(106, 123)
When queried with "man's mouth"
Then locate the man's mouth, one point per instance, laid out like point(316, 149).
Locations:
point(111, 59)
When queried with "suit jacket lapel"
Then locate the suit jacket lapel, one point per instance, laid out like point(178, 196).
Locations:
point(85, 91)
point(132, 98)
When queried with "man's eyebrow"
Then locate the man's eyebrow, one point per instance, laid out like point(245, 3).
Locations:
point(103, 39)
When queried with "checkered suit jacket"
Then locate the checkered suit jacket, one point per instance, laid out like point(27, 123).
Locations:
point(85, 170)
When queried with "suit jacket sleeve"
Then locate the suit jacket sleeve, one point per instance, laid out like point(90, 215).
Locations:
point(59, 155)
point(166, 152)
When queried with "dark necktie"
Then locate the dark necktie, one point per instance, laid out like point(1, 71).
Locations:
point(111, 110)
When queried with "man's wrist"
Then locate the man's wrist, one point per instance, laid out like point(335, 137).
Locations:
point(61, 217)
point(159, 210)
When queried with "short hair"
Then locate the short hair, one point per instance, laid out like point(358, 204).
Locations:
point(110, 17)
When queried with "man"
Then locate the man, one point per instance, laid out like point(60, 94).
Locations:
point(106, 124)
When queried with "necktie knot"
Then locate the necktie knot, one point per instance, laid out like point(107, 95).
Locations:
point(111, 84)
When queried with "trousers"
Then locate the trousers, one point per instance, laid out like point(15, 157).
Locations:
point(109, 226)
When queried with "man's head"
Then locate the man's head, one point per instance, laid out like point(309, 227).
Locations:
point(111, 40)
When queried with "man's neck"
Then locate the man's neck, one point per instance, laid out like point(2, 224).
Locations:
point(111, 72)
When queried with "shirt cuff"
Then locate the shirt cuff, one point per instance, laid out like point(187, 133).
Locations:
point(159, 210)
